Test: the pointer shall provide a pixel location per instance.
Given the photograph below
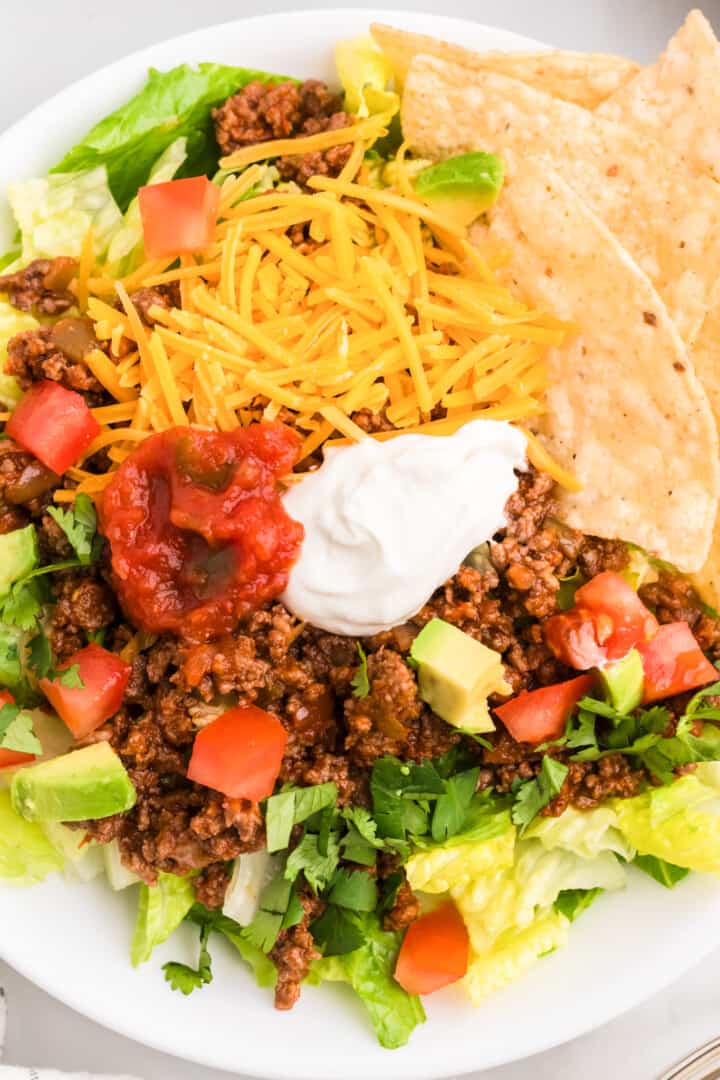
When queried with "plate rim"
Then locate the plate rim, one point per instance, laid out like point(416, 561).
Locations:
point(580, 1026)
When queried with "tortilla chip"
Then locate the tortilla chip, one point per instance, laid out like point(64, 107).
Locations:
point(584, 78)
point(626, 412)
point(667, 218)
point(677, 100)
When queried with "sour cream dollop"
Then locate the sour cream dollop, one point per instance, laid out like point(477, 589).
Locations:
point(386, 523)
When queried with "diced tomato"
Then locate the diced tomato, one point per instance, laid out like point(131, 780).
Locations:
point(83, 709)
point(673, 662)
point(434, 952)
point(239, 754)
point(539, 715)
point(54, 424)
point(608, 620)
point(9, 758)
point(178, 216)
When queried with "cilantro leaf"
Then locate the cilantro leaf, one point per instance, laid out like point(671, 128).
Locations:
point(533, 795)
point(337, 931)
point(696, 707)
point(360, 844)
point(22, 604)
point(69, 677)
point(279, 909)
point(186, 979)
point(665, 873)
point(292, 807)
point(353, 889)
point(16, 730)
point(40, 654)
point(307, 858)
point(79, 523)
point(452, 807)
point(401, 793)
point(360, 681)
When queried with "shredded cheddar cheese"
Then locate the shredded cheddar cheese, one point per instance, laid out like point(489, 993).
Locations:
point(383, 307)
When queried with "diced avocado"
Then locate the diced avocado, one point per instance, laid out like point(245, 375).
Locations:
point(10, 391)
point(462, 188)
point(457, 674)
point(18, 556)
point(623, 682)
point(86, 784)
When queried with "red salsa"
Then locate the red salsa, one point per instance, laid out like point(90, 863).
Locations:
point(198, 534)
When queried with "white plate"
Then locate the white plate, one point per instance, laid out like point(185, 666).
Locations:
point(72, 940)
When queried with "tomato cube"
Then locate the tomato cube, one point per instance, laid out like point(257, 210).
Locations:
point(239, 754)
point(104, 677)
point(54, 424)
point(178, 216)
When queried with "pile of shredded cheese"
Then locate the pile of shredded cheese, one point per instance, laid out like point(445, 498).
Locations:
point(386, 307)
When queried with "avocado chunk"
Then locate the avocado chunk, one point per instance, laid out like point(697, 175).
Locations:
point(10, 391)
point(462, 188)
point(18, 556)
point(457, 674)
point(88, 783)
point(622, 682)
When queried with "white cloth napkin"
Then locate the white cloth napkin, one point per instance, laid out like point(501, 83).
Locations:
point(13, 1072)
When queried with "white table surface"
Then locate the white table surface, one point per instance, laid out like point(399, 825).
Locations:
point(46, 44)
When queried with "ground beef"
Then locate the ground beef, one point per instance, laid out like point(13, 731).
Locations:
point(258, 113)
point(294, 952)
point(84, 604)
point(404, 911)
point(211, 885)
point(42, 286)
point(588, 783)
point(25, 486)
point(372, 422)
point(34, 355)
point(380, 723)
point(162, 296)
point(673, 599)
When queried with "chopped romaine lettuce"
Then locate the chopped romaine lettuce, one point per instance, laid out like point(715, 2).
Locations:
point(394, 1014)
point(584, 832)
point(26, 854)
point(679, 823)
point(161, 910)
point(54, 213)
point(172, 104)
point(505, 888)
point(126, 247)
point(365, 72)
point(83, 861)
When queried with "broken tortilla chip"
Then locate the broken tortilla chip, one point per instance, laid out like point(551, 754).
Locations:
point(666, 216)
point(677, 99)
point(625, 410)
point(584, 78)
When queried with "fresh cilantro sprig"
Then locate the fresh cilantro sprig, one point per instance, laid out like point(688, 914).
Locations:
point(42, 663)
point(79, 523)
point(279, 910)
point(360, 681)
point(532, 796)
point(16, 730)
point(184, 978)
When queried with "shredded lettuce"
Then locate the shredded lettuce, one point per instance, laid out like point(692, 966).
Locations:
point(171, 104)
point(583, 832)
point(126, 247)
point(394, 1014)
point(679, 823)
point(506, 889)
point(365, 72)
point(161, 910)
point(26, 854)
point(54, 213)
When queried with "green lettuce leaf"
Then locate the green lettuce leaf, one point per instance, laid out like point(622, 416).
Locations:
point(584, 832)
point(506, 889)
point(54, 213)
point(26, 854)
point(171, 104)
point(679, 823)
point(161, 910)
point(393, 1013)
point(126, 250)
